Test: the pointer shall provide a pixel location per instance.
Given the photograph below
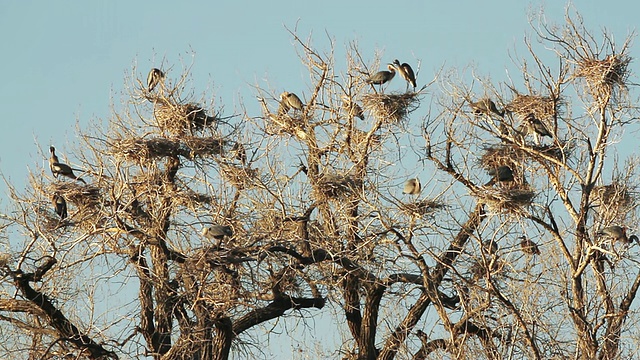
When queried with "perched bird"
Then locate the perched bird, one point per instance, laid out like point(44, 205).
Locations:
point(502, 173)
point(58, 168)
point(154, 78)
point(618, 233)
point(485, 106)
point(490, 246)
point(412, 187)
point(383, 76)
point(406, 72)
point(528, 246)
point(535, 126)
point(289, 101)
point(239, 152)
point(351, 108)
point(60, 205)
point(217, 232)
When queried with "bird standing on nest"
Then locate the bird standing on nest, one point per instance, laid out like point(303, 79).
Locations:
point(60, 205)
point(618, 233)
point(485, 106)
point(58, 168)
point(412, 187)
point(154, 78)
point(502, 173)
point(382, 77)
point(217, 232)
point(289, 101)
point(406, 72)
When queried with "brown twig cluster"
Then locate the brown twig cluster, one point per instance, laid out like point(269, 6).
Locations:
point(334, 185)
point(613, 199)
point(241, 177)
point(507, 200)
point(141, 149)
point(391, 108)
point(422, 207)
point(602, 76)
point(541, 107)
point(181, 119)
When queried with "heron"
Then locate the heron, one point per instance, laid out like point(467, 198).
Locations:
point(502, 173)
point(412, 187)
point(406, 72)
point(58, 168)
point(485, 106)
point(382, 77)
point(535, 126)
point(528, 246)
point(217, 232)
point(60, 205)
point(618, 233)
point(490, 246)
point(154, 78)
point(289, 101)
point(353, 109)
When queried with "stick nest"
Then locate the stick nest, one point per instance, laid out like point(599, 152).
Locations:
point(284, 123)
point(422, 207)
point(391, 108)
point(239, 176)
point(82, 196)
point(338, 185)
point(613, 198)
point(602, 76)
point(507, 200)
point(147, 149)
point(181, 119)
point(542, 107)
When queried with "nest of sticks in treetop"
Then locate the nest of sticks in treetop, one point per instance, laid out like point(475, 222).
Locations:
point(542, 107)
point(602, 75)
point(422, 207)
point(337, 185)
point(489, 266)
point(181, 119)
point(192, 200)
point(188, 147)
point(80, 195)
point(614, 197)
point(390, 108)
point(502, 199)
point(285, 123)
point(239, 176)
point(362, 140)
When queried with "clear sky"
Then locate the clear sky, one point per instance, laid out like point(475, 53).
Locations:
point(64, 61)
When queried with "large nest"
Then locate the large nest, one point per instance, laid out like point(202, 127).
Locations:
point(284, 123)
point(613, 198)
point(338, 185)
point(361, 140)
point(603, 75)
point(498, 155)
point(391, 108)
point(422, 207)
point(188, 147)
point(542, 107)
point(82, 196)
point(239, 176)
point(192, 200)
point(507, 200)
point(181, 119)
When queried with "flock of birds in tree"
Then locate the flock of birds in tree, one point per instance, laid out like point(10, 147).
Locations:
point(412, 186)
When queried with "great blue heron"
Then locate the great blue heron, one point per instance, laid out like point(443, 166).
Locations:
point(154, 78)
point(406, 72)
point(490, 246)
point(58, 168)
point(485, 106)
point(502, 173)
point(289, 101)
point(535, 126)
point(217, 232)
point(60, 205)
point(618, 233)
point(412, 187)
point(528, 246)
point(382, 77)
point(353, 109)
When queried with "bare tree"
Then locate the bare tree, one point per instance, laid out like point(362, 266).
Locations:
point(515, 247)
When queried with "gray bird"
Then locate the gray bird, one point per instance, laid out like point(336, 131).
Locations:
point(60, 205)
point(535, 126)
point(406, 72)
point(485, 106)
point(618, 233)
point(289, 101)
point(382, 77)
point(490, 246)
point(58, 168)
point(528, 246)
point(502, 173)
point(154, 78)
point(217, 232)
point(351, 108)
point(412, 187)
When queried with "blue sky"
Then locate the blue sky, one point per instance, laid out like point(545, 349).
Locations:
point(64, 61)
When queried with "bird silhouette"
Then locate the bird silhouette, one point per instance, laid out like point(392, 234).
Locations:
point(58, 168)
point(289, 101)
point(528, 246)
point(382, 77)
point(412, 187)
point(535, 126)
point(485, 106)
point(406, 72)
point(217, 232)
point(154, 78)
point(60, 205)
point(351, 108)
point(502, 173)
point(618, 233)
